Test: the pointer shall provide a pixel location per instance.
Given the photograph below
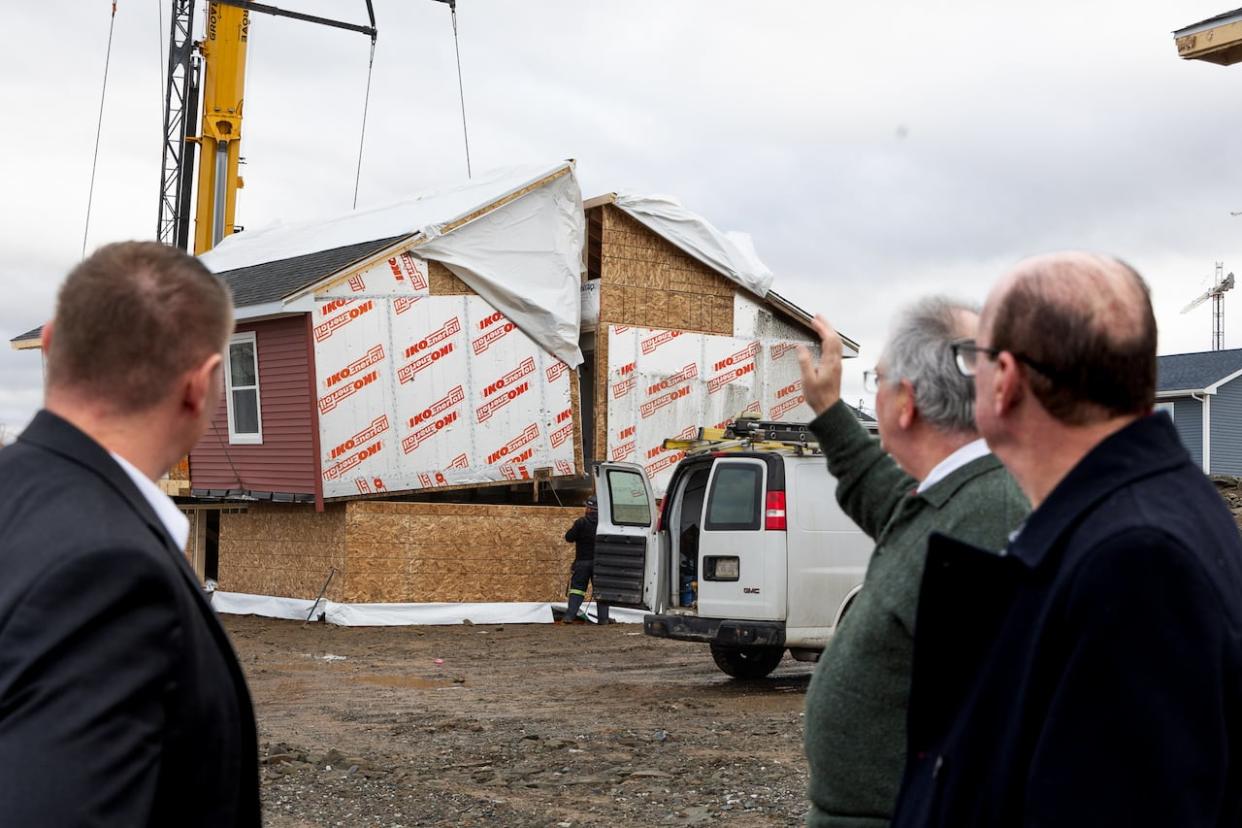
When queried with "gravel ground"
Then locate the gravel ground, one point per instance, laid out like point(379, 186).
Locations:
point(516, 725)
point(521, 725)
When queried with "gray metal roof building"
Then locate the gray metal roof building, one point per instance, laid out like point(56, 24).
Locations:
point(1202, 393)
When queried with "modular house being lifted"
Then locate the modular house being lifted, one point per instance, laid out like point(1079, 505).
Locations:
point(403, 381)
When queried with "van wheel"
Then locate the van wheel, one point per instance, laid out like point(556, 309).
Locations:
point(747, 662)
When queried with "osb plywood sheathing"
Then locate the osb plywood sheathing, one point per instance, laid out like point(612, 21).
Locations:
point(443, 282)
point(646, 281)
point(284, 550)
point(424, 552)
point(575, 404)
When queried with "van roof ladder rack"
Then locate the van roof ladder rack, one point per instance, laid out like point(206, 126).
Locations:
point(749, 434)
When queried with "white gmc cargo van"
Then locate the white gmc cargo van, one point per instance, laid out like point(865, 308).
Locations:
point(749, 554)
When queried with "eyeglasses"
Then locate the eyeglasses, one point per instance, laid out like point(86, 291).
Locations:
point(966, 355)
point(871, 381)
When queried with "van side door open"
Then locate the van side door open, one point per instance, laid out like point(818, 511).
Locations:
point(741, 570)
point(628, 552)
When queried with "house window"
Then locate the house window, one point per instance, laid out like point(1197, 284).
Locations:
point(242, 390)
point(1167, 407)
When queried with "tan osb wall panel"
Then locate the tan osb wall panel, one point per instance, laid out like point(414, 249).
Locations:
point(443, 282)
point(646, 281)
point(282, 549)
point(575, 403)
point(451, 552)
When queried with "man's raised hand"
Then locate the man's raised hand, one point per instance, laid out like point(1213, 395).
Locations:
point(821, 381)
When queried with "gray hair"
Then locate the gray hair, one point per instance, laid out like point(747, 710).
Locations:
point(919, 352)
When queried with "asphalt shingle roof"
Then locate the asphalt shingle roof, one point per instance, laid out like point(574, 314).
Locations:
point(31, 334)
point(1216, 19)
point(271, 281)
point(267, 282)
point(1193, 372)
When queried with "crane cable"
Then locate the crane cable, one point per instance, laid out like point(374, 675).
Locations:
point(366, 105)
point(460, 89)
point(99, 130)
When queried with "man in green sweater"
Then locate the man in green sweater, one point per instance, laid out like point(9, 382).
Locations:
point(929, 472)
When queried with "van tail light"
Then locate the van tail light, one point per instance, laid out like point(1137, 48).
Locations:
point(662, 505)
point(775, 512)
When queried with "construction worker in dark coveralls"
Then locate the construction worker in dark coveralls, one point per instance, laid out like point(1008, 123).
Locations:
point(582, 534)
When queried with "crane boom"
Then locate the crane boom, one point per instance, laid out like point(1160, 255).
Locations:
point(224, 53)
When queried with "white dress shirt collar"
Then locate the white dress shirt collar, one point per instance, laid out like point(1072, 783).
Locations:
point(177, 524)
point(971, 451)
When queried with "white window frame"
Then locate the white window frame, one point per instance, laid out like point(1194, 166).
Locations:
point(1169, 406)
point(235, 438)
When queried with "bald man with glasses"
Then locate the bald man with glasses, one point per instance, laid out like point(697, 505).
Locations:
point(930, 472)
point(1091, 674)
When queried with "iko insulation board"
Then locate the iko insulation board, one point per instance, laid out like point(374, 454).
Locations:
point(753, 320)
point(417, 391)
point(664, 384)
point(402, 274)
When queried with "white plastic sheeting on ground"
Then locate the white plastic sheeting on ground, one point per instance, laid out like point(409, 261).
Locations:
point(396, 615)
point(729, 253)
point(524, 258)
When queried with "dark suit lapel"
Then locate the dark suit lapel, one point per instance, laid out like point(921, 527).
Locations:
point(59, 436)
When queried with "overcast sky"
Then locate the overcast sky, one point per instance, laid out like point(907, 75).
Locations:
point(875, 153)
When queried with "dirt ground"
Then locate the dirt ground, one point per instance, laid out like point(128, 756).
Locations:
point(520, 725)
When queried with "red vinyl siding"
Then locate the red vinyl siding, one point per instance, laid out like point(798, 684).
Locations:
point(285, 462)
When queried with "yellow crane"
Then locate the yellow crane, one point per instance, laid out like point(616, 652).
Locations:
point(224, 53)
point(220, 58)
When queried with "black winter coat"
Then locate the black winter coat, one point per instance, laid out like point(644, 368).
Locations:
point(582, 533)
point(1091, 674)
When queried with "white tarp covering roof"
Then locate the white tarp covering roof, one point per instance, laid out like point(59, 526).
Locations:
point(525, 258)
point(730, 253)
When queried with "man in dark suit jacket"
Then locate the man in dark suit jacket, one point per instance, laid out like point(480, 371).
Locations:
point(121, 701)
point(1091, 674)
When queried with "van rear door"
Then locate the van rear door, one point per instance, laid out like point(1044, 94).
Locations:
point(742, 553)
point(628, 551)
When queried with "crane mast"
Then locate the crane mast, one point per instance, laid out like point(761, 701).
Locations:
point(180, 113)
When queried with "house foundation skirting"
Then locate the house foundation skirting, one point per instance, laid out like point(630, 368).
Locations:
point(383, 552)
